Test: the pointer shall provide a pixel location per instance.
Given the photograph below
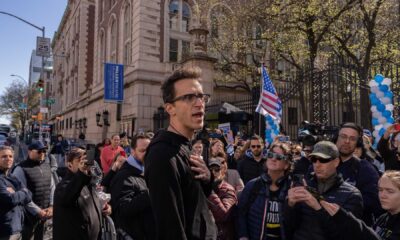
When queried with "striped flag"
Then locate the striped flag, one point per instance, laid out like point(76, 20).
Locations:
point(269, 103)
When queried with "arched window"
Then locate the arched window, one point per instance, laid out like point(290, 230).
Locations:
point(113, 42)
point(102, 55)
point(185, 17)
point(127, 34)
point(174, 15)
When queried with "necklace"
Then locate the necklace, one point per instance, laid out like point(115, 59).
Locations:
point(176, 131)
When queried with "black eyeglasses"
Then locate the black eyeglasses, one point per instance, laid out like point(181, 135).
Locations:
point(321, 160)
point(192, 97)
point(41, 151)
point(277, 156)
point(255, 146)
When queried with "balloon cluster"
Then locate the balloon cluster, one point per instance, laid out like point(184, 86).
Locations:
point(271, 129)
point(381, 105)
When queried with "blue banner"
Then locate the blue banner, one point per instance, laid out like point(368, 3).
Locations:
point(113, 82)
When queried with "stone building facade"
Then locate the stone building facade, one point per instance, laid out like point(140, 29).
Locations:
point(150, 38)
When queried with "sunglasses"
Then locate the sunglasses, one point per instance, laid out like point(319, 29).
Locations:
point(41, 151)
point(255, 146)
point(321, 160)
point(215, 169)
point(277, 156)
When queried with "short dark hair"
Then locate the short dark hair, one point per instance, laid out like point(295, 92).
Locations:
point(75, 152)
point(168, 87)
point(353, 126)
point(137, 137)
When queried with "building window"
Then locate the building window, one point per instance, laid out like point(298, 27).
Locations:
point(185, 49)
point(127, 35)
point(292, 113)
point(185, 17)
point(113, 42)
point(174, 15)
point(173, 50)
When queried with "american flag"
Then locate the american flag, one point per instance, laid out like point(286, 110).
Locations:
point(269, 103)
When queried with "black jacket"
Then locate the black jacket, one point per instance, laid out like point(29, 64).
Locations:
point(388, 226)
point(12, 205)
point(77, 210)
point(249, 168)
point(389, 156)
point(351, 227)
point(303, 223)
point(178, 200)
point(130, 202)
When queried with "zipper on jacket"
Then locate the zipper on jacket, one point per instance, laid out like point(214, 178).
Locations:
point(263, 221)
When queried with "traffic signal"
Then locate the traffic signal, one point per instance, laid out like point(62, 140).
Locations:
point(40, 85)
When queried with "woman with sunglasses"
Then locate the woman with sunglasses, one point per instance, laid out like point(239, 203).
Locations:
point(260, 204)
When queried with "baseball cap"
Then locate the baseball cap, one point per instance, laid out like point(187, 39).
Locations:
point(325, 150)
point(214, 162)
point(36, 146)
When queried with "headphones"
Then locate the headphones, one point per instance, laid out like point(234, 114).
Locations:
point(353, 126)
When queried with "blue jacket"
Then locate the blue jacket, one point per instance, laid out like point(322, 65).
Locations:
point(361, 174)
point(251, 219)
point(12, 205)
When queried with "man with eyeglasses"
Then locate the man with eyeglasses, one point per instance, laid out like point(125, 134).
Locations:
point(252, 166)
point(304, 217)
point(179, 182)
point(358, 172)
point(13, 197)
point(35, 173)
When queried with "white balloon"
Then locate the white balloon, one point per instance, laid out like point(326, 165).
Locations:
point(378, 127)
point(389, 107)
point(273, 135)
point(387, 81)
point(386, 100)
point(376, 114)
point(374, 89)
point(375, 133)
point(382, 120)
point(269, 126)
point(372, 83)
point(374, 108)
point(386, 125)
point(380, 94)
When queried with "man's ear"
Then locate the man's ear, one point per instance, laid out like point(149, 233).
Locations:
point(170, 109)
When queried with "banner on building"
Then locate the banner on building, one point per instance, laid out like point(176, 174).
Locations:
point(113, 82)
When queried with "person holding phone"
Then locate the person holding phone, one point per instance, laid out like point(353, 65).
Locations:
point(77, 208)
point(303, 217)
point(261, 203)
point(389, 147)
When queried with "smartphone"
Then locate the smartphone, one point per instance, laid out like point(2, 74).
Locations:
point(298, 180)
point(284, 139)
point(90, 157)
point(315, 193)
point(397, 126)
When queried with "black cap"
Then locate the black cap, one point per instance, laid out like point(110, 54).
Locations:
point(36, 146)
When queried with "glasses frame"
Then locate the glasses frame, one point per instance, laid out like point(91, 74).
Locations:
point(277, 156)
point(255, 146)
point(192, 98)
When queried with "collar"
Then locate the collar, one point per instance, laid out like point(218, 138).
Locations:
point(135, 163)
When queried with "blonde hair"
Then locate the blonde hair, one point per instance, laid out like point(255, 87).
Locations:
point(393, 176)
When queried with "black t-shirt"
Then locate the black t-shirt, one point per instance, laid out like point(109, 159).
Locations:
point(272, 221)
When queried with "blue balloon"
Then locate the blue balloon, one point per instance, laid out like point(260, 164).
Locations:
point(389, 94)
point(387, 114)
point(374, 101)
point(384, 88)
point(375, 121)
point(380, 107)
point(268, 132)
point(379, 78)
point(390, 120)
point(382, 131)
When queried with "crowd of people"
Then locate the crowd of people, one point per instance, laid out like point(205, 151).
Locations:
point(182, 183)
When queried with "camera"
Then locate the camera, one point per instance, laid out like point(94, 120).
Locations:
point(311, 133)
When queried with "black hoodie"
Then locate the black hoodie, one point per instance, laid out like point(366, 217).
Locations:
point(179, 201)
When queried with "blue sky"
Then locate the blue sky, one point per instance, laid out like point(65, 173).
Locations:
point(18, 39)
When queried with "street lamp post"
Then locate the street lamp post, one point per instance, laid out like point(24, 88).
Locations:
point(42, 29)
point(350, 106)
